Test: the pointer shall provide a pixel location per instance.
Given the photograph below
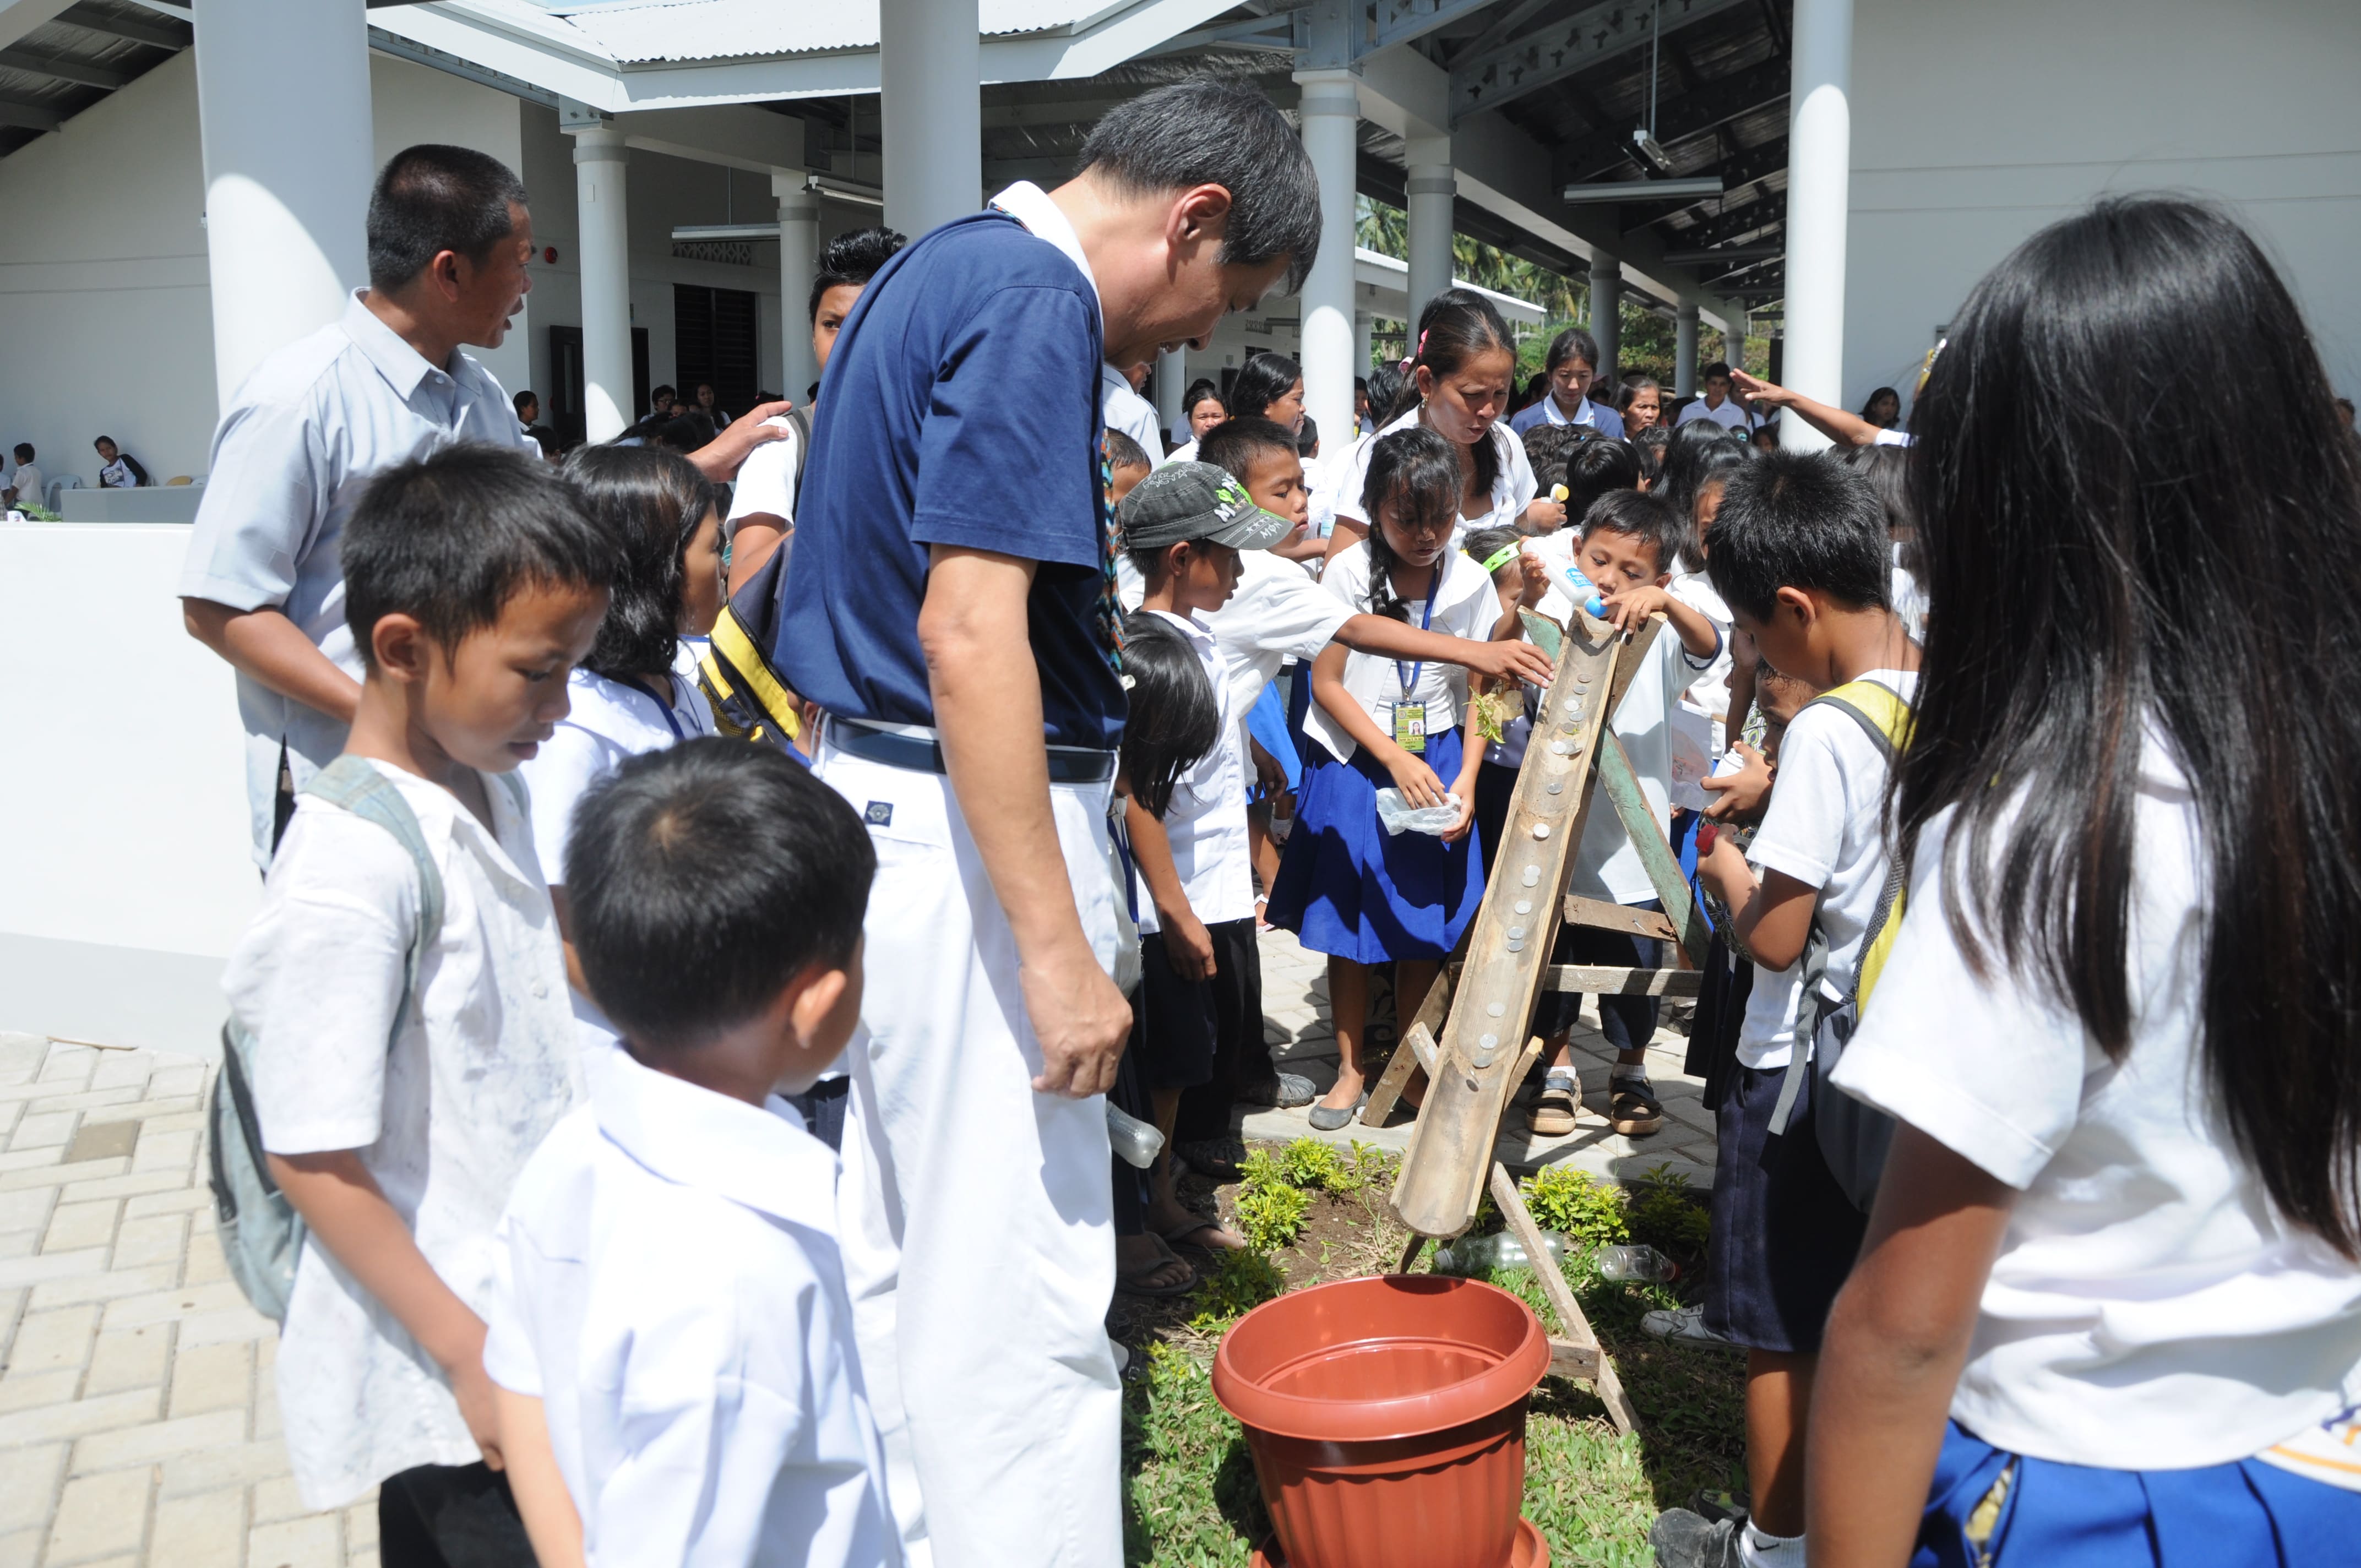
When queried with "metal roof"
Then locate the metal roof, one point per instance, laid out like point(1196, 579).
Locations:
point(639, 32)
point(80, 55)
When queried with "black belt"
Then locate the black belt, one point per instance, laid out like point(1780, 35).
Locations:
point(1068, 764)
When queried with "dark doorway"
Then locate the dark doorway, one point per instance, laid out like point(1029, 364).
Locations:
point(564, 407)
point(714, 333)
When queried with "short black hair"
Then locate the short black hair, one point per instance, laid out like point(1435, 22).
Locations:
point(1261, 381)
point(702, 879)
point(1547, 447)
point(1574, 343)
point(851, 258)
point(1123, 451)
point(451, 537)
point(518, 399)
point(24, 452)
point(1234, 443)
point(650, 502)
point(1595, 466)
point(1206, 131)
point(1640, 516)
point(1794, 520)
point(430, 199)
point(1648, 447)
point(1174, 715)
point(1716, 370)
point(105, 440)
point(1482, 543)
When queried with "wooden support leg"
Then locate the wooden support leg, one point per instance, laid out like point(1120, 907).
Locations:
point(1577, 1329)
point(1395, 1080)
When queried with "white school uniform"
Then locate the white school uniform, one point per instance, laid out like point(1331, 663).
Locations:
point(2149, 1308)
point(611, 720)
point(29, 486)
point(1122, 408)
point(1730, 415)
point(1206, 821)
point(766, 480)
point(443, 1121)
point(1710, 690)
point(1185, 452)
point(1607, 865)
point(1826, 827)
point(1513, 485)
point(671, 1292)
point(1464, 606)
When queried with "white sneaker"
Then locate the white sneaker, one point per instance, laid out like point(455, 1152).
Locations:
point(1681, 1324)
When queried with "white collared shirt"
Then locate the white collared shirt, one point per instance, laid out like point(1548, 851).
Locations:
point(443, 1120)
point(1124, 410)
point(1464, 606)
point(29, 484)
point(671, 1290)
point(1206, 821)
point(297, 442)
point(1608, 865)
point(766, 480)
point(1043, 219)
point(1513, 485)
point(1730, 415)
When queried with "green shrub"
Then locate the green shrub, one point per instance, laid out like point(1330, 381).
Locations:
point(1238, 1282)
point(1372, 1164)
point(1667, 1219)
point(1271, 1215)
point(1318, 1167)
point(1588, 1211)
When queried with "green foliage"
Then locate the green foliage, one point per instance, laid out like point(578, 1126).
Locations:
point(1237, 1283)
point(1190, 1496)
point(1588, 1211)
point(1372, 1164)
point(1318, 1168)
point(1271, 1214)
point(1666, 1215)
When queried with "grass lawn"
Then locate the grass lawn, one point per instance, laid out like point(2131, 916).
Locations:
point(1190, 1499)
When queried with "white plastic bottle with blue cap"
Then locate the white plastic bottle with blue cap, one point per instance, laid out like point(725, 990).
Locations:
point(1578, 588)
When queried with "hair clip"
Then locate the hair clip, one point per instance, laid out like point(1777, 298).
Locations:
point(1129, 681)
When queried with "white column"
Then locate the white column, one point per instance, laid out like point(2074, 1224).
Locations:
point(1171, 385)
point(1331, 111)
point(1685, 351)
point(928, 64)
point(1819, 142)
point(1606, 313)
point(609, 401)
point(1363, 328)
point(1429, 188)
point(283, 114)
point(798, 253)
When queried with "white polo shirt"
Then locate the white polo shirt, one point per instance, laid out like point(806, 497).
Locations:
point(299, 441)
point(443, 1120)
point(29, 484)
point(1206, 821)
point(1607, 866)
point(671, 1290)
point(1464, 606)
point(1124, 410)
point(766, 480)
point(1730, 415)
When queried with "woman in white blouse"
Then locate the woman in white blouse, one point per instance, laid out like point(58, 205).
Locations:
point(1461, 365)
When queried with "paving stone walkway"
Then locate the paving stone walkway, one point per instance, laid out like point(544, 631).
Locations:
point(137, 1420)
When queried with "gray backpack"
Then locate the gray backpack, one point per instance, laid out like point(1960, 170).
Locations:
point(261, 1234)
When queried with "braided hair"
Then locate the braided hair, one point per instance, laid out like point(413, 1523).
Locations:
point(1418, 470)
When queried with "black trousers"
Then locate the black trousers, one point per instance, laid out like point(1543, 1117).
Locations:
point(450, 1515)
point(1241, 1055)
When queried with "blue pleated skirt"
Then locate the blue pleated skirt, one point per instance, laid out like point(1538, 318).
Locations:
point(1267, 722)
point(2243, 1514)
point(1346, 889)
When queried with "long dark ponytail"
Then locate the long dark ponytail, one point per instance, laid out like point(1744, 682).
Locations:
point(1418, 470)
point(1457, 326)
point(2086, 498)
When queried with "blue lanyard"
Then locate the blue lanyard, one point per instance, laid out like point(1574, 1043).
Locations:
point(663, 706)
point(1426, 619)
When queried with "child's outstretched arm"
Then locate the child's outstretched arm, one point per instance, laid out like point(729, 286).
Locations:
point(1506, 658)
point(541, 1499)
point(348, 1214)
point(1896, 1339)
point(1700, 637)
point(1411, 775)
point(1471, 761)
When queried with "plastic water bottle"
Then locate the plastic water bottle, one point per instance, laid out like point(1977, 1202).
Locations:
point(1485, 1254)
point(1136, 1142)
point(1641, 1263)
point(1581, 590)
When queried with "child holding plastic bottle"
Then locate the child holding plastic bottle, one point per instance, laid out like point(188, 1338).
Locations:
point(1349, 886)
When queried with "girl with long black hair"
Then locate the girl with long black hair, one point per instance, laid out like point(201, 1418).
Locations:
point(2109, 1306)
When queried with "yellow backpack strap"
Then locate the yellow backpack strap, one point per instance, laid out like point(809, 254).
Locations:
point(1880, 710)
point(734, 668)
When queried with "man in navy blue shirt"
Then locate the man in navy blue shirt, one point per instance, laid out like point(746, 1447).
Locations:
point(951, 607)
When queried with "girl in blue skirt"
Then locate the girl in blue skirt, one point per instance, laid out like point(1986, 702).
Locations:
point(2109, 1309)
point(1345, 886)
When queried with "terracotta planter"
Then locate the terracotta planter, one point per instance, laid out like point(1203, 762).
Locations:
point(1386, 1420)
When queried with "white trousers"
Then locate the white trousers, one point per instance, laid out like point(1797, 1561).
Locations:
point(975, 1214)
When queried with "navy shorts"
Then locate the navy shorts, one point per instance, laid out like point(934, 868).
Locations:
point(1785, 1235)
point(1175, 1022)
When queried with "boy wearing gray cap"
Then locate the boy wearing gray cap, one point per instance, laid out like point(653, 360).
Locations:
point(1183, 526)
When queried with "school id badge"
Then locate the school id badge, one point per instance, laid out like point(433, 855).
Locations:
point(1410, 726)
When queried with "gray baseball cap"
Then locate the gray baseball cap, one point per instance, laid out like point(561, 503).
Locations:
point(1184, 502)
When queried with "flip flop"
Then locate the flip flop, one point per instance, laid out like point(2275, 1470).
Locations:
point(1131, 1284)
point(1177, 1235)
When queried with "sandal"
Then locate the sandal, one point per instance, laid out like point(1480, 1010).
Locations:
point(1215, 1159)
point(1633, 1108)
point(1196, 1225)
point(1138, 1282)
point(1553, 1115)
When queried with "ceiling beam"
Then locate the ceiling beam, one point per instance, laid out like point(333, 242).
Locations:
point(1754, 164)
point(1734, 253)
point(1679, 118)
point(58, 69)
point(1030, 112)
point(1505, 27)
point(156, 33)
point(27, 116)
point(1731, 223)
point(1400, 21)
point(1552, 53)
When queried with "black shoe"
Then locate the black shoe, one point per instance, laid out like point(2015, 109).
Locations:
point(1282, 1090)
point(1215, 1159)
point(1685, 1539)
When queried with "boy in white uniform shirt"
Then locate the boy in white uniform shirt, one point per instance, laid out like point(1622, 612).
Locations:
point(671, 1336)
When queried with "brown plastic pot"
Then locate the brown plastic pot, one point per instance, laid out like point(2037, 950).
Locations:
point(1387, 1418)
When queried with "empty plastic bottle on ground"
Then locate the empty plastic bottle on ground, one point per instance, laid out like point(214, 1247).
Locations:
point(1642, 1262)
point(1480, 1255)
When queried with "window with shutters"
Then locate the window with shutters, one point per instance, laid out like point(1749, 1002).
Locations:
point(714, 336)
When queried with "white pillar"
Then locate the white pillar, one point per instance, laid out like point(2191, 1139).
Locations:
point(283, 114)
point(1606, 313)
point(1171, 385)
point(1331, 111)
point(798, 253)
point(1429, 188)
point(1819, 142)
point(1363, 328)
point(609, 403)
point(1685, 351)
point(929, 63)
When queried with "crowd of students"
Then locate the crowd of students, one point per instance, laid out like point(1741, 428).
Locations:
point(2031, 734)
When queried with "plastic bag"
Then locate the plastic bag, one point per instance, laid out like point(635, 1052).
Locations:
point(1400, 816)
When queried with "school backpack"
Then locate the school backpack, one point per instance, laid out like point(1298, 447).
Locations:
point(1853, 1137)
point(749, 699)
point(261, 1234)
